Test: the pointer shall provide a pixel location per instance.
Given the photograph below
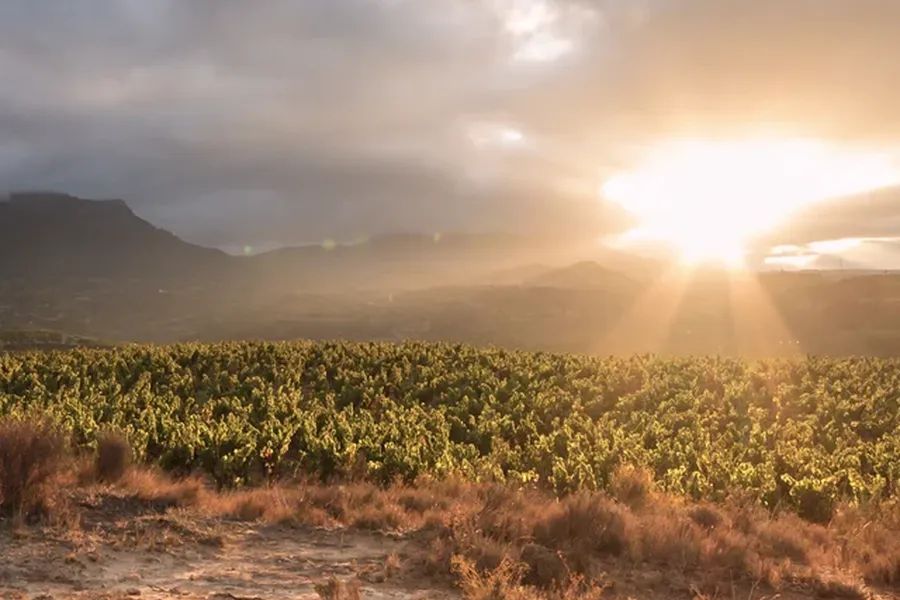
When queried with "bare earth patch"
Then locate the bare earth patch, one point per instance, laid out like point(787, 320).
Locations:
point(162, 556)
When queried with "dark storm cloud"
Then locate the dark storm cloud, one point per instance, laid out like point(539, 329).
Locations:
point(242, 122)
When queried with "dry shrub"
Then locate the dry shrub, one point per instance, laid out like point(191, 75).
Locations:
point(783, 539)
point(502, 583)
point(729, 549)
point(422, 500)
point(505, 583)
point(743, 511)
point(274, 504)
point(379, 517)
point(632, 486)
point(880, 569)
point(359, 505)
point(31, 455)
point(464, 537)
point(585, 524)
point(869, 540)
point(670, 538)
point(506, 514)
point(113, 457)
point(706, 515)
point(546, 568)
point(157, 489)
point(836, 588)
point(268, 504)
point(333, 589)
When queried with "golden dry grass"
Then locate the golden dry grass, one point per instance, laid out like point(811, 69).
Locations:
point(334, 589)
point(505, 582)
point(31, 456)
point(113, 456)
point(522, 542)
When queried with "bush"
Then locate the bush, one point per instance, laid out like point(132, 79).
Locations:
point(585, 524)
point(706, 515)
point(113, 457)
point(31, 454)
point(632, 486)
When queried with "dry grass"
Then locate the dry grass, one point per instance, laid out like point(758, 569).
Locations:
point(113, 457)
point(393, 566)
point(585, 525)
point(31, 456)
point(333, 589)
point(507, 543)
point(505, 582)
point(520, 544)
point(152, 487)
point(632, 486)
point(871, 541)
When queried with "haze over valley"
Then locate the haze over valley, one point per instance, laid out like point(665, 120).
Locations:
point(96, 270)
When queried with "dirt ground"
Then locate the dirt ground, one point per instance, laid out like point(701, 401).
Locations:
point(113, 554)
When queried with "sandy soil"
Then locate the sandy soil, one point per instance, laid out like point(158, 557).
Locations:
point(172, 556)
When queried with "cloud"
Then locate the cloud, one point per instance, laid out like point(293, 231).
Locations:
point(235, 122)
point(872, 215)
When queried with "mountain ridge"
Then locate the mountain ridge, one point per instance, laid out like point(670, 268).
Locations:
point(52, 235)
point(46, 235)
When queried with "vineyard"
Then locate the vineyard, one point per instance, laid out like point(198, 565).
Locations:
point(802, 433)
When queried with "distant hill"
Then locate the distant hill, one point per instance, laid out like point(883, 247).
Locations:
point(17, 340)
point(49, 235)
point(583, 275)
point(396, 261)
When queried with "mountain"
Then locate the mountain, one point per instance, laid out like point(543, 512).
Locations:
point(49, 236)
point(399, 261)
point(583, 275)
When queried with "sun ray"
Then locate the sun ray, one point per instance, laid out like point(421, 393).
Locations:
point(760, 329)
point(703, 311)
point(645, 326)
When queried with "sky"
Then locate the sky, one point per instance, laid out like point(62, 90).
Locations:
point(237, 123)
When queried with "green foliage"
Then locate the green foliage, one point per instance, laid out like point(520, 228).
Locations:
point(800, 433)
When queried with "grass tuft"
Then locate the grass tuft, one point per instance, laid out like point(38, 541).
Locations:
point(31, 455)
point(632, 486)
point(113, 457)
point(334, 589)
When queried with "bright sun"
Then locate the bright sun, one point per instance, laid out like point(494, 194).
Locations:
point(707, 199)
